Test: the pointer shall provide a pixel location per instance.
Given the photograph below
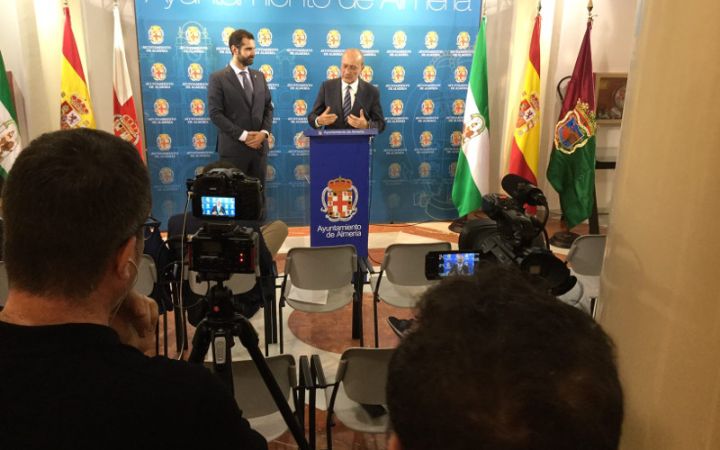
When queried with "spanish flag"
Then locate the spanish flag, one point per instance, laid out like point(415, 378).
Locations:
point(525, 148)
point(75, 107)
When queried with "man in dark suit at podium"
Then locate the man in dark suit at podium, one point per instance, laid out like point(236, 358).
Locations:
point(348, 102)
point(241, 108)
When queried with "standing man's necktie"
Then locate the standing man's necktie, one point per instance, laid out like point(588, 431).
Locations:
point(247, 85)
point(347, 103)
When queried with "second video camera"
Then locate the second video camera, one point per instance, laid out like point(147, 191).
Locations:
point(221, 246)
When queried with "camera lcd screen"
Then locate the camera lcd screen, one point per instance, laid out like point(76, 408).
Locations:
point(450, 264)
point(218, 206)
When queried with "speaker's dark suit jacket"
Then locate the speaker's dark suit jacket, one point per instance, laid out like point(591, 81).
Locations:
point(367, 99)
point(232, 114)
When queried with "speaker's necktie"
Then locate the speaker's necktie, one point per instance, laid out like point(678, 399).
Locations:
point(247, 86)
point(347, 103)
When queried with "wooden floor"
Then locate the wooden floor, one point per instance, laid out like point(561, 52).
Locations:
point(331, 332)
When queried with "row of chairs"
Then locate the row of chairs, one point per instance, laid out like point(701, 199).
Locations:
point(355, 396)
point(336, 271)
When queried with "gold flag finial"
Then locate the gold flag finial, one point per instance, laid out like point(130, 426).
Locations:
point(539, 6)
point(590, 8)
point(484, 8)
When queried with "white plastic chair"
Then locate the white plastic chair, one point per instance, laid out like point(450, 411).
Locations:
point(401, 279)
point(253, 396)
point(360, 380)
point(328, 270)
point(585, 259)
point(147, 275)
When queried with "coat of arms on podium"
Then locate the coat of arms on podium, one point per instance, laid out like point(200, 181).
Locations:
point(339, 200)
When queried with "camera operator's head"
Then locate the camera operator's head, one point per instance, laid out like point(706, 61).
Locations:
point(75, 203)
point(495, 363)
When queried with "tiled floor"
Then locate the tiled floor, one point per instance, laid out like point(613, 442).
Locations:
point(329, 334)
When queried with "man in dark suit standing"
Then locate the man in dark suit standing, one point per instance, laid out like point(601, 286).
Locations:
point(348, 102)
point(241, 108)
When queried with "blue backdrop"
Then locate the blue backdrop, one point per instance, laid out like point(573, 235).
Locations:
point(418, 53)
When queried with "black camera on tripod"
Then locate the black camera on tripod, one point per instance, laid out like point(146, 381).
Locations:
point(220, 247)
point(509, 236)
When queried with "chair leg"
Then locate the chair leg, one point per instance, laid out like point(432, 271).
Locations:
point(280, 320)
point(375, 318)
point(362, 332)
point(328, 429)
point(165, 333)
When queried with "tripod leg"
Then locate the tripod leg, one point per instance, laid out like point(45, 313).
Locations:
point(249, 339)
point(201, 343)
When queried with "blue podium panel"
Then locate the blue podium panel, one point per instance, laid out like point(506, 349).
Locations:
point(340, 187)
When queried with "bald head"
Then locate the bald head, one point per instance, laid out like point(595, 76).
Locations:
point(351, 65)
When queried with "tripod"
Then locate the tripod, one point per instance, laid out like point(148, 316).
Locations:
point(219, 327)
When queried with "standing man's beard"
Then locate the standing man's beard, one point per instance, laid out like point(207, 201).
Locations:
point(245, 61)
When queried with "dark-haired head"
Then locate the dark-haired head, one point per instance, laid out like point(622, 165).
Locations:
point(496, 363)
point(71, 200)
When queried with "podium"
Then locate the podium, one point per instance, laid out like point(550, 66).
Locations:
point(340, 187)
point(340, 197)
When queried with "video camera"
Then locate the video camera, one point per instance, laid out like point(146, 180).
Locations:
point(221, 247)
point(510, 236)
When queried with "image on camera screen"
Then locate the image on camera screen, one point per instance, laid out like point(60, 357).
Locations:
point(451, 264)
point(218, 206)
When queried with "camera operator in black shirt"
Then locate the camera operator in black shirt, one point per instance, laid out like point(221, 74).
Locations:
point(73, 333)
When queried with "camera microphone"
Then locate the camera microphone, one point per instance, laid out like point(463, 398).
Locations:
point(523, 190)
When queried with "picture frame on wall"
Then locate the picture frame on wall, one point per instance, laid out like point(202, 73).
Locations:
point(609, 97)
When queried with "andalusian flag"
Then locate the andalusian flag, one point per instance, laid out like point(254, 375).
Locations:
point(572, 162)
point(473, 168)
point(525, 150)
point(75, 107)
point(10, 144)
point(125, 122)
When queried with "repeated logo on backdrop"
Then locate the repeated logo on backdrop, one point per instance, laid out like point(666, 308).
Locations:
point(417, 55)
point(299, 38)
point(398, 74)
point(399, 40)
point(333, 39)
point(264, 37)
point(161, 107)
point(159, 72)
point(333, 72)
point(199, 141)
point(164, 141)
point(267, 71)
point(367, 74)
point(156, 35)
point(300, 73)
point(195, 72)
